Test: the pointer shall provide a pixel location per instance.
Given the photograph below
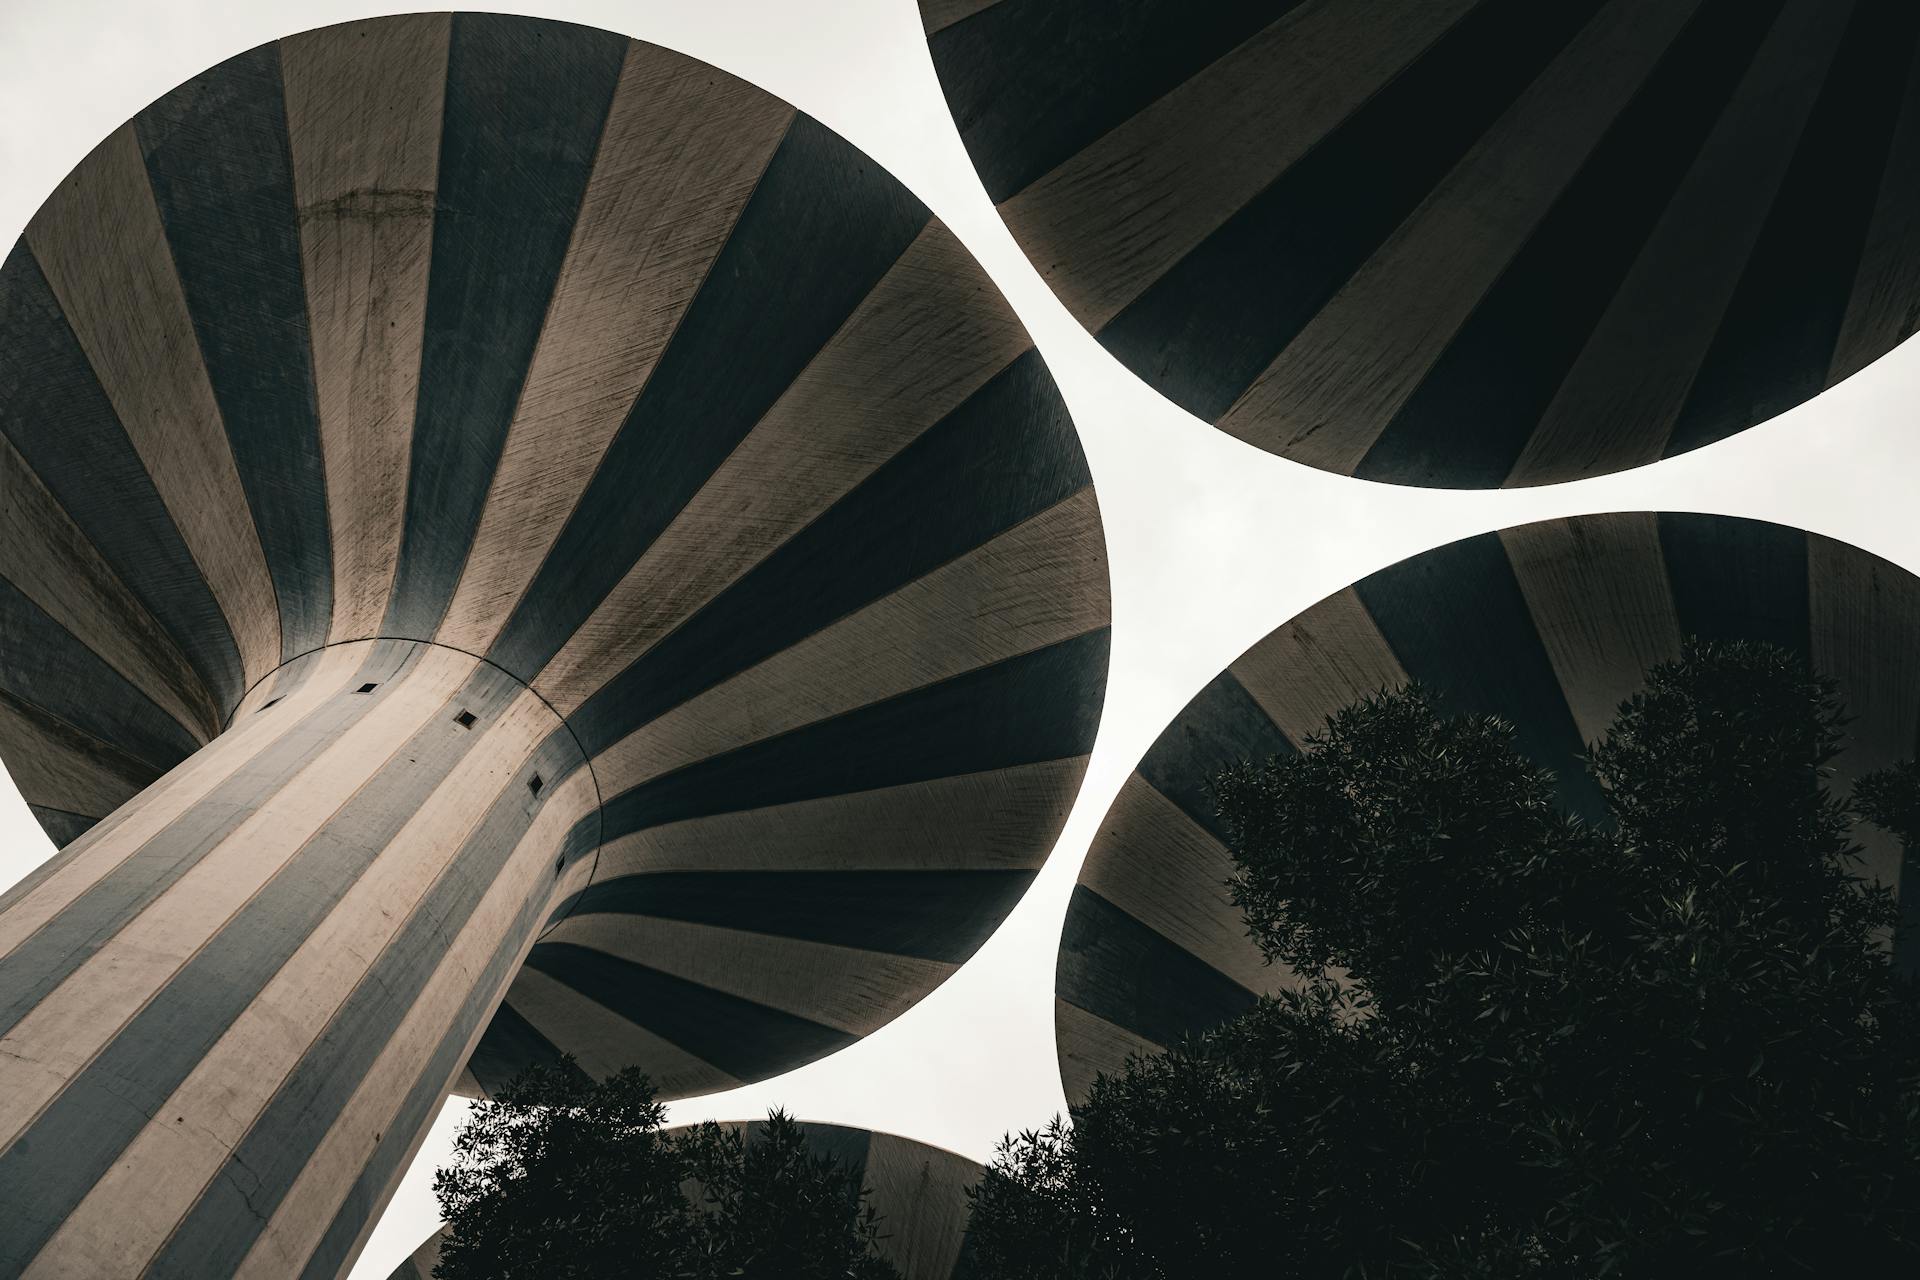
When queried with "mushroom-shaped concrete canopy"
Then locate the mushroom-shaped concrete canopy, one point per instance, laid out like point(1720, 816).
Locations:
point(469, 480)
point(1548, 625)
point(920, 1193)
point(1463, 243)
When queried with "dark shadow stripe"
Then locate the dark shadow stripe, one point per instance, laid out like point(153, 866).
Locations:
point(1043, 705)
point(59, 947)
point(62, 828)
point(47, 666)
point(214, 1237)
point(748, 1041)
point(823, 226)
point(421, 1103)
point(1457, 621)
point(1207, 328)
point(104, 1107)
point(1222, 727)
point(1738, 579)
point(110, 768)
point(54, 411)
point(934, 915)
point(525, 103)
point(1002, 457)
point(1123, 972)
point(218, 160)
point(509, 1046)
point(1471, 416)
point(1777, 338)
point(1031, 82)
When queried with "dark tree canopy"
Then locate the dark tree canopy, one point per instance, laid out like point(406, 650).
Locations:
point(560, 1177)
point(1672, 1044)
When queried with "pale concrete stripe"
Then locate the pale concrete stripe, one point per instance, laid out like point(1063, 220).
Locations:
point(1090, 1046)
point(1597, 589)
point(58, 767)
point(55, 1041)
point(847, 988)
point(1101, 227)
point(1037, 584)
point(683, 148)
point(920, 1193)
point(99, 240)
point(1881, 311)
point(930, 334)
point(44, 554)
point(1162, 868)
point(1618, 403)
point(131, 1210)
point(1326, 659)
point(937, 15)
point(1327, 397)
point(604, 1042)
point(363, 126)
point(182, 787)
point(975, 821)
point(1866, 635)
point(311, 1203)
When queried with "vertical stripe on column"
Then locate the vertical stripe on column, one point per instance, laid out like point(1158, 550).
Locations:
point(525, 103)
point(120, 1032)
point(1778, 338)
point(349, 1170)
point(1204, 331)
point(1617, 404)
point(1328, 395)
point(363, 129)
point(48, 890)
point(263, 1135)
point(216, 156)
point(101, 244)
point(1474, 410)
point(682, 151)
point(821, 229)
point(242, 1090)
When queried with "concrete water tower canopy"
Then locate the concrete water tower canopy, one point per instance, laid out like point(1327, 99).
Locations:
point(513, 538)
point(1463, 243)
point(1547, 625)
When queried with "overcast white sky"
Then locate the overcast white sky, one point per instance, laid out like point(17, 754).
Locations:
point(1212, 543)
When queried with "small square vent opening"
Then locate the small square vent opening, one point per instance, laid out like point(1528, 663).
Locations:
point(464, 719)
point(367, 688)
point(535, 783)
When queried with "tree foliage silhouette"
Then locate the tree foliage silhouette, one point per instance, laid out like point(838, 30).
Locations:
point(561, 1178)
point(1520, 1045)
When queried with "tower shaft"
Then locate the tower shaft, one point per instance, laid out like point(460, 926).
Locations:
point(229, 1013)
